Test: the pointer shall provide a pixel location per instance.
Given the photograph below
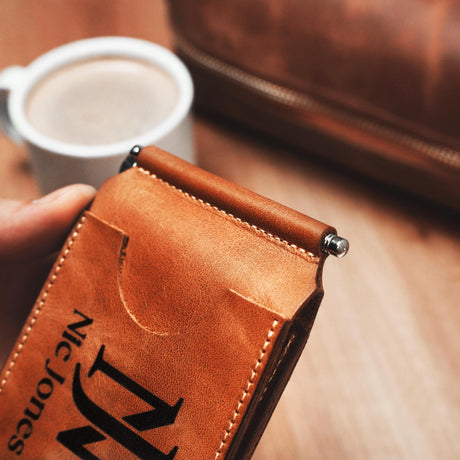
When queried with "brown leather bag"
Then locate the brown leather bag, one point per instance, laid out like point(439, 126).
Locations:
point(371, 85)
point(169, 325)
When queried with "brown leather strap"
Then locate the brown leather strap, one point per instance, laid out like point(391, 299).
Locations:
point(281, 221)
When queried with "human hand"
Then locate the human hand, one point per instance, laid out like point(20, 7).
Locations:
point(30, 235)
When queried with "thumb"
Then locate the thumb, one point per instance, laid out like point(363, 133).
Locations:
point(29, 230)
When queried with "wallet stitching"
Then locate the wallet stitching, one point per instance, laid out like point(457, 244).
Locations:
point(41, 303)
point(245, 393)
point(308, 255)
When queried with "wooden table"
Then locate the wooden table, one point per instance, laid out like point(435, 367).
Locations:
point(380, 375)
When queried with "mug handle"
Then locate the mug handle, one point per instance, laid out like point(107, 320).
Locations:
point(9, 78)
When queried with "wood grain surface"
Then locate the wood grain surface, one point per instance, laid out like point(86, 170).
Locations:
point(379, 378)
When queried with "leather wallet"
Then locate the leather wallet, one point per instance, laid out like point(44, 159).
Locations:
point(169, 324)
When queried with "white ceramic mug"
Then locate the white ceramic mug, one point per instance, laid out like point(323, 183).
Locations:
point(58, 163)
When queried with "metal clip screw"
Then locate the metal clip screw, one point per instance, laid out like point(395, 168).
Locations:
point(335, 245)
point(131, 159)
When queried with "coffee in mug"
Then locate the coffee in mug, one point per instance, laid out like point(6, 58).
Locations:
point(101, 101)
point(80, 108)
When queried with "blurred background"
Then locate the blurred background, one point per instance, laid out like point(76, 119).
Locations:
point(379, 377)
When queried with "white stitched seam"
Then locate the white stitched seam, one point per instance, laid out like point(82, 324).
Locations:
point(309, 255)
point(40, 303)
point(246, 390)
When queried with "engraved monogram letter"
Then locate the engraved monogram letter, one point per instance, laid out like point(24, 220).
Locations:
point(162, 414)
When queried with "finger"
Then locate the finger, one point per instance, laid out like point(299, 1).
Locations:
point(35, 229)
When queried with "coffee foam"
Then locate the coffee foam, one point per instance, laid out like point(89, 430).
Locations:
point(101, 101)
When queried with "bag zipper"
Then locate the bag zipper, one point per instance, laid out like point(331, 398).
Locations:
point(286, 96)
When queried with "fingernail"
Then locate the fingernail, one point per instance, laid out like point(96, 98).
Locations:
point(82, 189)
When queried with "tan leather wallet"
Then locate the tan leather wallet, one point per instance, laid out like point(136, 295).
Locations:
point(169, 324)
